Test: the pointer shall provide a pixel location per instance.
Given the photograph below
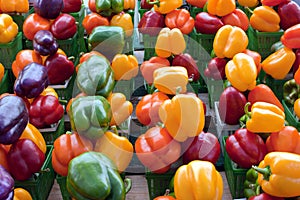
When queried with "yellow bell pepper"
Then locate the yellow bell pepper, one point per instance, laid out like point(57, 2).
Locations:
point(169, 42)
point(265, 19)
point(8, 28)
point(129, 4)
point(171, 80)
point(121, 109)
point(279, 174)
point(248, 3)
point(264, 118)
point(165, 6)
point(241, 72)
point(125, 67)
point(21, 194)
point(279, 63)
point(229, 40)
point(11, 6)
point(117, 148)
point(220, 7)
point(123, 20)
point(1, 72)
point(183, 116)
point(49, 91)
point(198, 180)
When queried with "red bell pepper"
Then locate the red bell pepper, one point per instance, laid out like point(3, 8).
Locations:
point(296, 64)
point(216, 68)
point(45, 110)
point(265, 196)
point(237, 18)
point(71, 6)
point(151, 23)
point(24, 159)
point(272, 2)
point(64, 27)
point(291, 37)
point(289, 13)
point(93, 20)
point(187, 61)
point(245, 148)
point(145, 5)
point(256, 57)
point(92, 5)
point(207, 23)
point(33, 23)
point(181, 19)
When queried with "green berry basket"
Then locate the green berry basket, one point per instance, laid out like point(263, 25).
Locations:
point(51, 133)
point(19, 18)
point(65, 91)
point(215, 89)
point(290, 117)
point(149, 46)
point(7, 82)
point(79, 16)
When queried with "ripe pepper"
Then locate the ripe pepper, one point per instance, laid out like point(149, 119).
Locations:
point(49, 9)
point(93, 20)
point(241, 72)
point(64, 27)
point(296, 107)
point(21, 194)
point(229, 40)
point(123, 20)
point(32, 80)
point(198, 180)
point(71, 6)
point(207, 23)
point(245, 148)
point(165, 6)
point(248, 3)
point(265, 196)
point(44, 43)
point(91, 83)
point(216, 68)
point(197, 3)
point(129, 4)
point(265, 19)
point(180, 123)
point(279, 174)
point(251, 187)
point(66, 147)
point(3, 157)
point(187, 61)
point(6, 184)
point(291, 91)
point(90, 116)
point(272, 65)
point(220, 7)
point(169, 42)
point(125, 67)
point(33, 23)
point(157, 150)
point(151, 23)
point(26, 155)
point(98, 178)
point(285, 11)
point(237, 18)
point(116, 147)
point(290, 37)
point(257, 58)
point(109, 7)
point(272, 2)
point(15, 118)
point(8, 29)
point(2, 69)
point(181, 19)
point(18, 6)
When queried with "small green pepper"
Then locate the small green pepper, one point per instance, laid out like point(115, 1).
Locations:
point(108, 7)
point(251, 187)
point(291, 91)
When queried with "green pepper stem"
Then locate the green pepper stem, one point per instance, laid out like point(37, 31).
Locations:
point(115, 130)
point(128, 184)
point(153, 2)
point(248, 9)
point(257, 191)
point(71, 58)
point(246, 109)
point(63, 101)
point(266, 172)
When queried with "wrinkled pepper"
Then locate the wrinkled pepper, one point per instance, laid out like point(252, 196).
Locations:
point(90, 116)
point(207, 23)
point(6, 184)
point(33, 23)
point(291, 91)
point(125, 67)
point(71, 6)
point(18, 6)
point(272, 65)
point(109, 7)
point(229, 40)
point(179, 123)
point(98, 178)
point(44, 43)
point(64, 26)
point(165, 6)
point(8, 29)
point(237, 18)
point(181, 19)
point(151, 23)
point(290, 37)
point(187, 61)
point(265, 19)
point(93, 20)
point(251, 187)
point(123, 20)
point(285, 11)
point(220, 7)
point(49, 9)
point(278, 174)
point(21, 194)
point(216, 68)
point(198, 180)
point(129, 4)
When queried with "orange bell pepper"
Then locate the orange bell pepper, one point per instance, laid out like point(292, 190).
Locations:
point(1, 71)
point(3, 157)
point(49, 91)
point(297, 107)
point(220, 7)
point(21, 194)
point(123, 20)
point(181, 19)
point(85, 56)
point(129, 4)
point(92, 5)
point(33, 23)
point(125, 67)
point(8, 29)
point(229, 40)
point(291, 38)
point(265, 19)
point(197, 3)
point(11, 6)
point(165, 6)
point(248, 3)
point(237, 18)
point(93, 20)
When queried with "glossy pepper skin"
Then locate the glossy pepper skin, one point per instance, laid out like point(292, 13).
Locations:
point(237, 18)
point(93, 20)
point(64, 27)
point(290, 37)
point(297, 108)
point(220, 7)
point(265, 196)
point(245, 148)
point(251, 187)
point(197, 3)
point(33, 23)
point(207, 23)
point(22, 194)
point(125, 67)
point(108, 7)
point(14, 117)
point(25, 155)
point(278, 174)
point(8, 29)
point(6, 184)
point(49, 9)
point(45, 110)
point(151, 23)
point(289, 13)
point(272, 2)
point(99, 178)
point(165, 6)
point(32, 80)
point(129, 4)
point(198, 180)
point(291, 91)
point(90, 116)
point(265, 19)
point(3, 157)
point(100, 83)
point(187, 61)
point(248, 3)
point(123, 20)
point(216, 68)
point(180, 18)
point(44, 43)
point(19, 6)
point(71, 6)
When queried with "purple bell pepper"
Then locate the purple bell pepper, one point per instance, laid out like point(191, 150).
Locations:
point(44, 43)
point(6, 184)
point(49, 9)
point(289, 13)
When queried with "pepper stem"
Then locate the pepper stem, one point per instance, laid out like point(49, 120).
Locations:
point(153, 2)
point(246, 109)
point(167, 192)
point(266, 172)
point(115, 130)
point(128, 184)
point(249, 10)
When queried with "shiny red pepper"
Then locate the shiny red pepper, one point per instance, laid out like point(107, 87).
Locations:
point(64, 27)
point(237, 18)
point(297, 61)
point(291, 37)
point(272, 2)
point(216, 68)
point(187, 61)
point(265, 196)
point(207, 23)
point(145, 5)
point(289, 13)
point(71, 6)
point(151, 23)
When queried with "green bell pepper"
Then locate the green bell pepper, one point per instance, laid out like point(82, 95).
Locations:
point(90, 116)
point(291, 91)
point(251, 186)
point(108, 7)
point(92, 175)
point(95, 76)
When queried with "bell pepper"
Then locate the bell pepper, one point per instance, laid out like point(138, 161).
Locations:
point(272, 65)
point(265, 196)
point(165, 197)
point(291, 91)
point(157, 150)
point(116, 147)
point(181, 19)
point(197, 3)
point(49, 91)
point(33, 23)
point(45, 111)
point(21, 194)
point(44, 43)
point(220, 7)
point(265, 19)
point(98, 178)
point(272, 2)
point(229, 40)
point(180, 123)
point(64, 27)
point(287, 9)
point(145, 5)
point(49, 9)
point(3, 157)
point(6, 184)
point(66, 147)
point(93, 20)
point(237, 18)
point(169, 42)
point(129, 4)
point(297, 108)
point(251, 187)
point(187, 61)
point(147, 108)
point(248, 3)
point(59, 68)
point(123, 20)
point(198, 180)
point(165, 6)
point(216, 68)
point(262, 113)
point(151, 23)
point(90, 116)
point(26, 155)
point(2, 69)
point(71, 6)
point(8, 29)
point(256, 57)
point(278, 174)
point(92, 5)
point(14, 117)
point(125, 67)
point(171, 80)
point(245, 148)
point(32, 80)
point(86, 56)
point(290, 37)
point(91, 83)
point(296, 65)
point(207, 23)
point(109, 7)
point(18, 6)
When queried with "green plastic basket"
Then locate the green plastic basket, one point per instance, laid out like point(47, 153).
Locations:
point(10, 50)
point(79, 16)
point(126, 87)
point(290, 116)
point(40, 185)
point(149, 46)
point(19, 18)
point(69, 46)
point(7, 83)
point(215, 89)
point(52, 133)
point(65, 91)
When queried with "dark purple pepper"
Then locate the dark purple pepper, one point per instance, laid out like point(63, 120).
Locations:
point(49, 9)
point(207, 23)
point(44, 43)
point(6, 184)
point(289, 13)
